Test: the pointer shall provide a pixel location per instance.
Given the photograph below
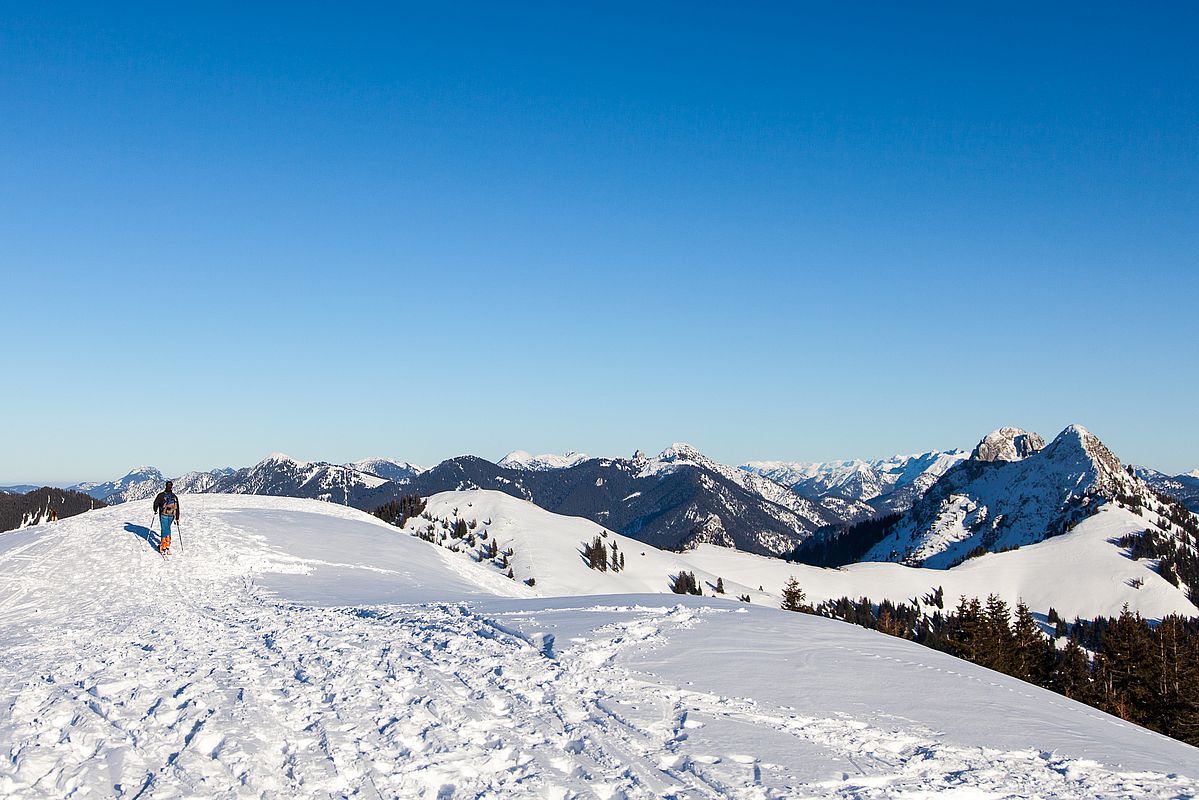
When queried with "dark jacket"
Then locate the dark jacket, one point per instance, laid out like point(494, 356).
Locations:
point(165, 497)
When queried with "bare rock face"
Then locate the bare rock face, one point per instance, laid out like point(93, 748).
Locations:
point(1008, 444)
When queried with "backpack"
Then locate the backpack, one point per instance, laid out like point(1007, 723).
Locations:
point(170, 504)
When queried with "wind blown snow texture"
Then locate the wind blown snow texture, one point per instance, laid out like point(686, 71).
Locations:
point(297, 648)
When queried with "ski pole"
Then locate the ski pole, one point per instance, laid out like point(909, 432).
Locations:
point(180, 527)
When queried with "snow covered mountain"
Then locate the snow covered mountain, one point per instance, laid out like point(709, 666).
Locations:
point(387, 468)
point(674, 500)
point(283, 476)
point(887, 484)
point(519, 459)
point(138, 484)
point(1184, 487)
point(192, 482)
point(1012, 491)
point(305, 649)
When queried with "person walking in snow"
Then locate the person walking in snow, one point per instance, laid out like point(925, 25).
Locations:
point(166, 505)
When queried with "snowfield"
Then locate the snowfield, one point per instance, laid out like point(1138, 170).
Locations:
point(301, 649)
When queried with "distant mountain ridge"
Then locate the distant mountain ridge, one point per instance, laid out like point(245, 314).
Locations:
point(1184, 487)
point(519, 459)
point(675, 500)
point(145, 482)
point(886, 484)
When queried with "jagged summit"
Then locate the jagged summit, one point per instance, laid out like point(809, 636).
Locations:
point(681, 451)
point(1007, 444)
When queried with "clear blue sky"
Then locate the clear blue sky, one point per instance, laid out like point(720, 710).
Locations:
point(799, 231)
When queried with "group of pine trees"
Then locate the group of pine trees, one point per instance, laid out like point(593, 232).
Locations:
point(595, 553)
point(1145, 674)
point(685, 583)
point(398, 512)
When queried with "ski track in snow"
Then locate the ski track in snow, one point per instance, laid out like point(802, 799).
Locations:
point(184, 678)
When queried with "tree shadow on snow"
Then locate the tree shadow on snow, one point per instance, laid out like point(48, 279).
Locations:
point(151, 536)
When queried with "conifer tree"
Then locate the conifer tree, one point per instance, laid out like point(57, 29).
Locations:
point(794, 598)
point(1028, 655)
point(1072, 677)
point(995, 649)
point(1126, 659)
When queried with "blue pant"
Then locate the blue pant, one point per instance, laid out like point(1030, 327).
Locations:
point(164, 523)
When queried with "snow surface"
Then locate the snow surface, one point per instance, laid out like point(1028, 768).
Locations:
point(298, 648)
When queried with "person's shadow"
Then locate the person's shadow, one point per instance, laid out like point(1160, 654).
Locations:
point(151, 536)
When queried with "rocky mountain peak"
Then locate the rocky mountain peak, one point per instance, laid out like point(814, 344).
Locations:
point(1008, 444)
point(680, 451)
point(1077, 443)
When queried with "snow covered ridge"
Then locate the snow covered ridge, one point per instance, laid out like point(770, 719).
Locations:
point(298, 648)
point(1184, 487)
point(856, 479)
point(519, 459)
point(387, 468)
point(145, 482)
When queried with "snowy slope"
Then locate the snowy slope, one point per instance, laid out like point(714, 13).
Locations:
point(548, 547)
point(1080, 574)
point(298, 648)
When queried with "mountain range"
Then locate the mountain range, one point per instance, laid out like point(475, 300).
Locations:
point(1012, 489)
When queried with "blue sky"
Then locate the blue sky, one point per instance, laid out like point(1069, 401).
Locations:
point(800, 231)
